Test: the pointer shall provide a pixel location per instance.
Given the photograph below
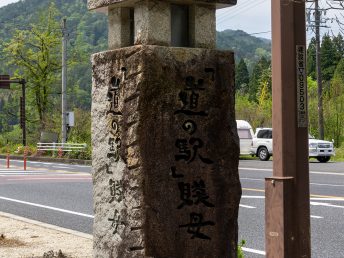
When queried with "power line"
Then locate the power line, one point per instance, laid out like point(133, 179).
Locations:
point(254, 4)
point(233, 10)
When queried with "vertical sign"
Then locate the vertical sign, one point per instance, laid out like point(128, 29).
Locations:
point(195, 195)
point(301, 80)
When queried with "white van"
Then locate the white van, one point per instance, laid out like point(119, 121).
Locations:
point(245, 133)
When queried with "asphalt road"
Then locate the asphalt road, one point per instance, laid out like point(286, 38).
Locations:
point(61, 195)
point(327, 207)
point(56, 194)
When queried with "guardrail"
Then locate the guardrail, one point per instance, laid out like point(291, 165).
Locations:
point(61, 146)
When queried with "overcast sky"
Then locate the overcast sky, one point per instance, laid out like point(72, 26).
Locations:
point(251, 16)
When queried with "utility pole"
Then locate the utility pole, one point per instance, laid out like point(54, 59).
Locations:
point(23, 111)
point(317, 16)
point(64, 80)
point(315, 25)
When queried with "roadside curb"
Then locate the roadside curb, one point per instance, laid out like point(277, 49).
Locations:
point(53, 160)
point(45, 225)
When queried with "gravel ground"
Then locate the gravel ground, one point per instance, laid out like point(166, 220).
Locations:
point(23, 238)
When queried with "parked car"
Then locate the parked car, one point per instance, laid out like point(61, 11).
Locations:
point(321, 150)
point(262, 143)
point(245, 133)
point(262, 146)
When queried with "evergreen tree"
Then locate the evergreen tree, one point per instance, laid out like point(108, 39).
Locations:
point(338, 42)
point(255, 78)
point(242, 77)
point(328, 58)
point(311, 59)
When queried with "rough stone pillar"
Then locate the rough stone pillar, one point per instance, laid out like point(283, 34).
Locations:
point(165, 145)
point(165, 153)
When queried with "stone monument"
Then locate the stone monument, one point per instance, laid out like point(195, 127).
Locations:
point(165, 145)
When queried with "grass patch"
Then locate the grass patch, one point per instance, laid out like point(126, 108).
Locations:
point(339, 154)
point(240, 251)
point(247, 157)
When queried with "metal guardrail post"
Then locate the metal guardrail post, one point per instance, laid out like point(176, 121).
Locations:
point(25, 155)
point(8, 159)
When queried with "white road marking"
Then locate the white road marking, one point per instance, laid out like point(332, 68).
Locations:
point(64, 167)
point(250, 250)
point(312, 199)
point(27, 172)
point(327, 199)
point(82, 166)
point(251, 179)
point(327, 173)
point(326, 205)
point(47, 207)
point(253, 196)
point(257, 169)
point(21, 172)
point(316, 217)
point(48, 178)
point(311, 172)
point(259, 179)
point(51, 163)
point(11, 169)
point(41, 163)
point(327, 185)
point(247, 206)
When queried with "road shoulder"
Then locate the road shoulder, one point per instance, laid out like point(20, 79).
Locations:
point(28, 238)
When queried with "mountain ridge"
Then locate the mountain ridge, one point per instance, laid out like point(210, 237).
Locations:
point(88, 33)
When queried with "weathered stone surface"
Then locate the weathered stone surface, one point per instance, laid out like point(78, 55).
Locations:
point(149, 23)
point(202, 26)
point(152, 23)
point(119, 28)
point(94, 4)
point(170, 186)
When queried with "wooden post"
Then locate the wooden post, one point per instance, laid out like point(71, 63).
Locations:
point(287, 192)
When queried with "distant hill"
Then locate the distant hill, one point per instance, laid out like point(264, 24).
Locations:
point(89, 30)
point(244, 45)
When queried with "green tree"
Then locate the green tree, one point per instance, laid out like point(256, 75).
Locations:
point(311, 59)
point(242, 77)
point(264, 97)
point(257, 72)
point(244, 108)
point(329, 60)
point(334, 106)
point(312, 106)
point(35, 53)
point(338, 42)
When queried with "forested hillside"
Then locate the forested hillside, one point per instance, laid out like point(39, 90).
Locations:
point(30, 47)
point(21, 26)
point(88, 34)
